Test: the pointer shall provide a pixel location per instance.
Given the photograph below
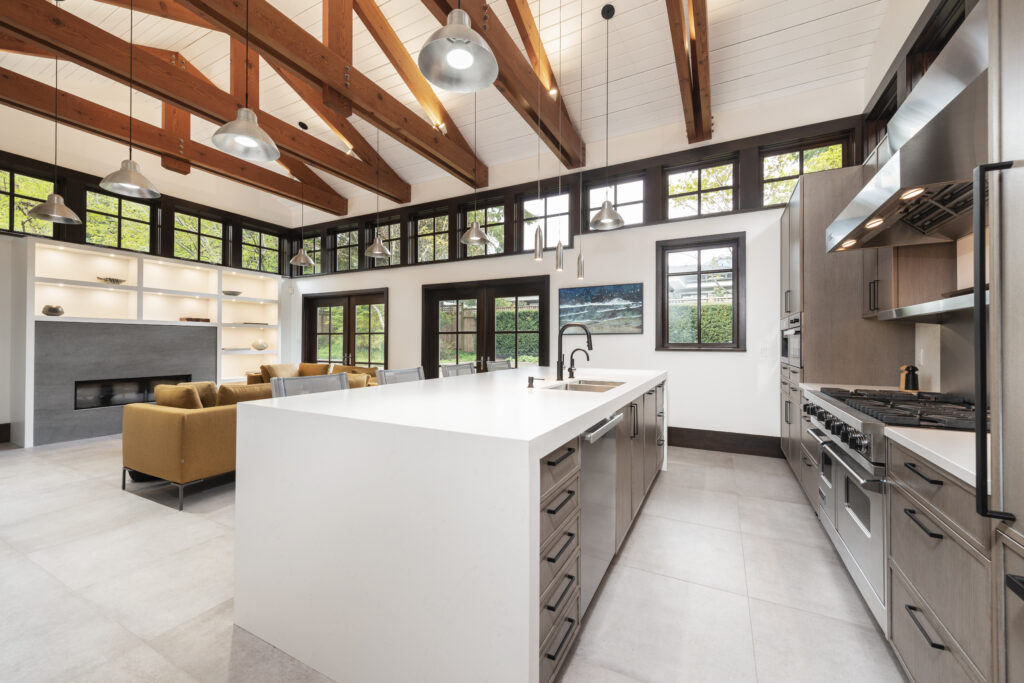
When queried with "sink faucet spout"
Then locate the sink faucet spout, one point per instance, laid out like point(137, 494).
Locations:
point(561, 356)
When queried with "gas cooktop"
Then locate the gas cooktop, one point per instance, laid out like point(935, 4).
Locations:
point(909, 409)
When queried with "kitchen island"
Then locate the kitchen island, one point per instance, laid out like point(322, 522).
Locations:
point(428, 531)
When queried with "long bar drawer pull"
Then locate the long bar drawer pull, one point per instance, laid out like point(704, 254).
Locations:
point(568, 542)
point(913, 516)
point(1016, 584)
point(913, 468)
point(568, 632)
point(913, 617)
point(565, 591)
point(568, 496)
point(558, 461)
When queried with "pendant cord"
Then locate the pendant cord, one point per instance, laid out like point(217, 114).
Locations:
point(377, 230)
point(131, 70)
point(475, 154)
point(56, 99)
point(540, 197)
point(607, 103)
point(246, 72)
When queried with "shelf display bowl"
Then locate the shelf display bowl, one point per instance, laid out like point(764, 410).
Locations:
point(260, 345)
point(111, 280)
point(231, 292)
point(53, 310)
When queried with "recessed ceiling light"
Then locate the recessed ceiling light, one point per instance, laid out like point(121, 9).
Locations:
point(553, 92)
point(303, 125)
point(849, 243)
point(912, 192)
point(874, 223)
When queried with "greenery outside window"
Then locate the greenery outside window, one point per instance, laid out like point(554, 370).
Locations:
point(457, 331)
point(111, 221)
point(18, 194)
point(627, 197)
point(517, 330)
point(198, 239)
point(369, 334)
point(432, 238)
point(492, 222)
point(261, 251)
point(391, 235)
point(550, 214)
point(779, 172)
point(702, 191)
point(314, 247)
point(346, 250)
point(701, 294)
point(330, 334)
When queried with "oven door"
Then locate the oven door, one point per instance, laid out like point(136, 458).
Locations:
point(791, 346)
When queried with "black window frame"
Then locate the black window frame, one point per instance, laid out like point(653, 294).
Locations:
point(736, 240)
point(153, 211)
point(261, 248)
point(700, 192)
point(314, 253)
point(200, 216)
point(373, 228)
point(614, 181)
point(464, 222)
point(415, 236)
point(801, 148)
point(336, 248)
point(12, 196)
point(526, 237)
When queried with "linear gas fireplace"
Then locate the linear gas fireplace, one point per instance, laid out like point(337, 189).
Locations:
point(105, 393)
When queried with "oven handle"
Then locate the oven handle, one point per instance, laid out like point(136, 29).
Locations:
point(837, 455)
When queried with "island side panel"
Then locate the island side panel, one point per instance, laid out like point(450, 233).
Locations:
point(381, 553)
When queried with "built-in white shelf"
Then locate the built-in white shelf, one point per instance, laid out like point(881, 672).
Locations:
point(83, 264)
point(177, 292)
point(248, 352)
point(254, 326)
point(160, 275)
point(81, 300)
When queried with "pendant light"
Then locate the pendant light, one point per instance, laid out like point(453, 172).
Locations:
point(538, 233)
point(475, 235)
point(579, 261)
point(128, 180)
point(559, 256)
point(301, 258)
point(457, 58)
point(54, 210)
point(378, 250)
point(243, 137)
point(607, 218)
point(579, 238)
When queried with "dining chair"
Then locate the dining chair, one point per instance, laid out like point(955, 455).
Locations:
point(501, 364)
point(400, 375)
point(297, 386)
point(457, 369)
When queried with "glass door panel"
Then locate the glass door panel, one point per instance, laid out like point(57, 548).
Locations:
point(346, 329)
point(457, 331)
point(330, 334)
point(517, 321)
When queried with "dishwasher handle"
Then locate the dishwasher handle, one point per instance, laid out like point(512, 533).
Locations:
point(603, 428)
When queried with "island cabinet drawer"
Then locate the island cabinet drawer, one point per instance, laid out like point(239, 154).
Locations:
point(555, 648)
point(951, 576)
point(556, 553)
point(557, 465)
point(558, 507)
point(558, 595)
point(918, 642)
point(949, 496)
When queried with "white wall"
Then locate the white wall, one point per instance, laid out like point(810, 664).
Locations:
point(5, 329)
point(724, 391)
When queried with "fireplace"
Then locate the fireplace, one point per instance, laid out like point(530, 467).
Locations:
point(104, 393)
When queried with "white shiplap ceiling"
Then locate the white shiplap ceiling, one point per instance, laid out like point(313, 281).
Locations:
point(759, 50)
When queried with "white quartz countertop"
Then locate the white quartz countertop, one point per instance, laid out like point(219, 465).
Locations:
point(947, 449)
point(493, 404)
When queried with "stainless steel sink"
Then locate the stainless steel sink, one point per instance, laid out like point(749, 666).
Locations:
point(591, 385)
point(599, 382)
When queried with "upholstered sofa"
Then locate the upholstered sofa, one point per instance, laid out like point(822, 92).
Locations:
point(357, 376)
point(188, 436)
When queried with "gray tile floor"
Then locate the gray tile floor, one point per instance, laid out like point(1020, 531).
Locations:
point(726, 577)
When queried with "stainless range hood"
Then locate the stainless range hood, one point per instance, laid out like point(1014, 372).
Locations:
point(937, 137)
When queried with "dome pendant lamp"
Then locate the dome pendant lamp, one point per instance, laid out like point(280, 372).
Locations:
point(457, 58)
point(54, 210)
point(301, 258)
point(378, 251)
point(243, 137)
point(475, 235)
point(607, 218)
point(128, 180)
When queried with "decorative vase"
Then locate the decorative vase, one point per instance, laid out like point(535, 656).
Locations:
point(260, 345)
point(53, 310)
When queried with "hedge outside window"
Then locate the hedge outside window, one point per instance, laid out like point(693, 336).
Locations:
point(369, 334)
point(432, 238)
point(550, 214)
point(701, 297)
point(492, 222)
point(779, 172)
point(701, 191)
point(517, 330)
point(346, 250)
point(313, 247)
point(627, 197)
point(391, 235)
point(111, 221)
point(18, 195)
point(261, 251)
point(198, 239)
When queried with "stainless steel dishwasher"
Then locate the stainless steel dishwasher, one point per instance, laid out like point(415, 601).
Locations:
point(597, 505)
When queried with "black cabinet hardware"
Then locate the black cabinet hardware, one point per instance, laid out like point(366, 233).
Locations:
point(568, 632)
point(913, 617)
point(565, 591)
point(565, 501)
point(565, 546)
point(636, 420)
point(913, 517)
point(560, 459)
point(788, 306)
point(913, 468)
point(1015, 584)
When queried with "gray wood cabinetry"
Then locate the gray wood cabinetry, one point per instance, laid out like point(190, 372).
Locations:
point(878, 280)
point(636, 461)
point(1010, 618)
point(785, 292)
point(651, 437)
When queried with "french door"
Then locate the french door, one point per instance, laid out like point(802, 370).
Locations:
point(350, 329)
point(473, 322)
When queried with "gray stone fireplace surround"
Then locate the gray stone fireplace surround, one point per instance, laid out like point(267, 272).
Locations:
point(67, 352)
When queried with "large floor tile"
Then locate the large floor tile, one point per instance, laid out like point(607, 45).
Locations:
point(704, 477)
point(760, 463)
point(783, 520)
point(711, 508)
point(757, 484)
point(580, 670)
point(701, 458)
point(691, 552)
point(654, 628)
point(142, 664)
point(74, 490)
point(803, 577)
point(793, 646)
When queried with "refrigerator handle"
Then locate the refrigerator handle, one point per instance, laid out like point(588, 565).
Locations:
point(981, 346)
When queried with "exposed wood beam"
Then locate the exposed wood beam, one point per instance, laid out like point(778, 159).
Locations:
point(167, 9)
point(53, 28)
point(245, 76)
point(38, 98)
point(178, 123)
point(394, 49)
point(303, 173)
point(279, 38)
point(10, 42)
point(701, 65)
point(519, 84)
point(523, 18)
point(679, 26)
point(337, 27)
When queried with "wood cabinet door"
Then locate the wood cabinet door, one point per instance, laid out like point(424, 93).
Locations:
point(795, 256)
point(650, 428)
point(868, 278)
point(636, 462)
point(784, 261)
point(784, 418)
point(885, 275)
point(624, 510)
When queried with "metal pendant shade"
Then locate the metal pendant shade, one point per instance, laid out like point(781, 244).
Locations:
point(559, 258)
point(302, 259)
point(579, 266)
point(243, 138)
point(457, 58)
point(128, 181)
point(476, 237)
point(378, 250)
point(538, 244)
point(607, 218)
point(54, 210)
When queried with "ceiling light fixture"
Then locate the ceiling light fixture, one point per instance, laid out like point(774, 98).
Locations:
point(378, 250)
point(607, 218)
point(475, 236)
point(874, 223)
point(912, 192)
point(301, 258)
point(54, 210)
point(849, 243)
point(559, 248)
point(457, 58)
point(243, 137)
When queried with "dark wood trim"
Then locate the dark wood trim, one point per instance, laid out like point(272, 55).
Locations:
point(311, 301)
point(5, 432)
point(726, 442)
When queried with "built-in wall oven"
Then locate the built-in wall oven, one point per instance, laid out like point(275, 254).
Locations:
point(791, 341)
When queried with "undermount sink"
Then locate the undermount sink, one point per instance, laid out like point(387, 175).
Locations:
point(591, 385)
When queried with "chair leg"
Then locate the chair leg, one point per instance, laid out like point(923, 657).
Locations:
point(181, 497)
point(124, 471)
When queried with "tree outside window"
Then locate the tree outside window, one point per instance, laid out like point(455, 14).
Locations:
point(346, 250)
point(780, 172)
point(492, 222)
point(551, 215)
point(701, 191)
point(391, 235)
point(111, 221)
point(18, 195)
point(313, 247)
point(627, 197)
point(198, 239)
point(432, 238)
point(261, 251)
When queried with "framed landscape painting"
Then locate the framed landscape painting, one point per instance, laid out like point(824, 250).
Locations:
point(607, 309)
